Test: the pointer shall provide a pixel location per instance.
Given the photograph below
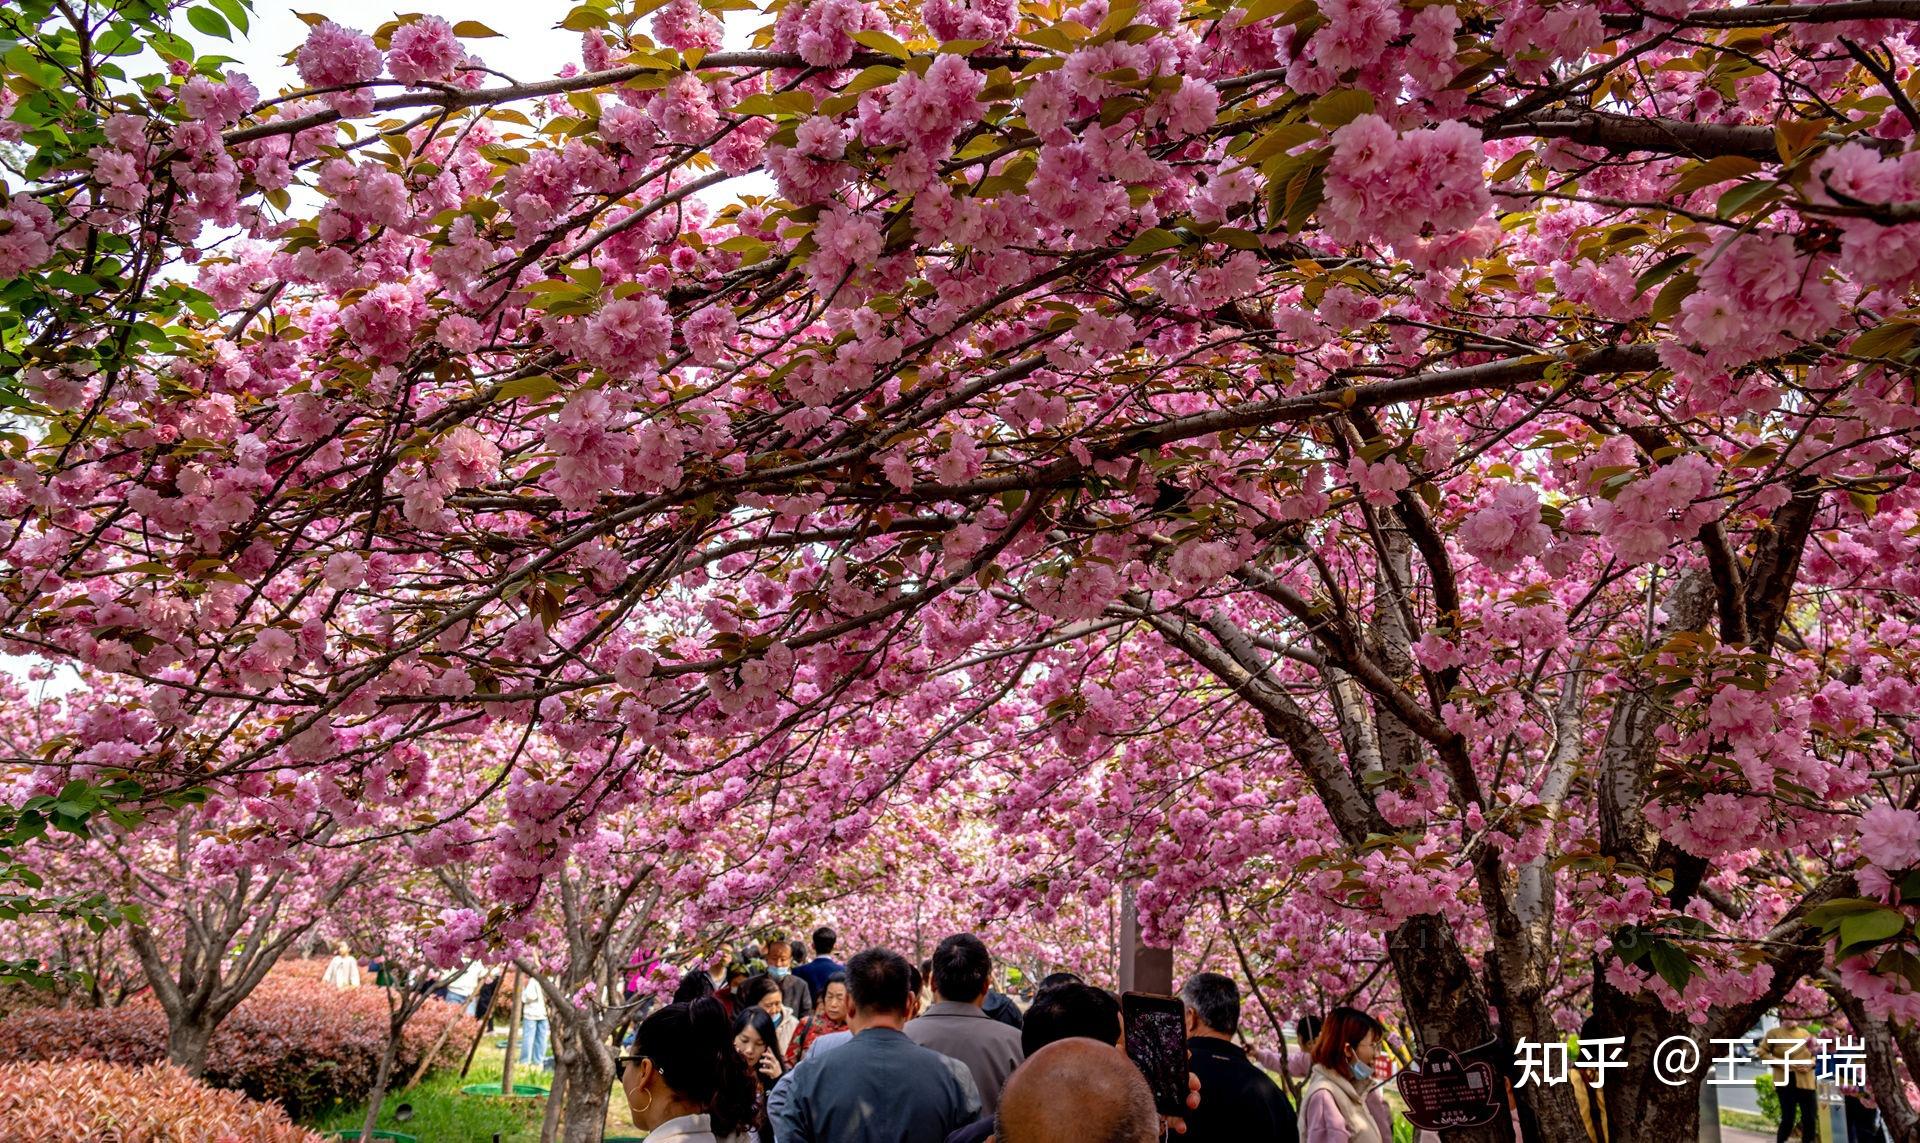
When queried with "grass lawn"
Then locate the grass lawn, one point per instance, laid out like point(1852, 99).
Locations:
point(1746, 1120)
point(442, 1114)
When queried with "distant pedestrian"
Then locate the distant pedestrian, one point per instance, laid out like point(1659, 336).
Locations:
point(763, 992)
point(463, 987)
point(1788, 1049)
point(829, 1017)
point(533, 1024)
point(794, 992)
point(343, 971)
point(816, 971)
point(956, 1025)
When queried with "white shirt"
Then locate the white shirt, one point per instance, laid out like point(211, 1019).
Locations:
point(469, 978)
point(690, 1129)
point(533, 1001)
point(342, 972)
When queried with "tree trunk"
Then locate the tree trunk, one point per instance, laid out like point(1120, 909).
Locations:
point(589, 1084)
point(512, 980)
point(1444, 1002)
point(1886, 1073)
point(432, 1054)
point(381, 1078)
point(1668, 1113)
point(187, 1042)
point(556, 1092)
point(1642, 1108)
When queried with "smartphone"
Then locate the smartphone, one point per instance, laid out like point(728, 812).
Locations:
point(1157, 1043)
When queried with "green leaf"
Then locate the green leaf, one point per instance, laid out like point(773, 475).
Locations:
point(1675, 967)
point(1305, 192)
point(474, 30)
point(209, 22)
point(1829, 915)
point(531, 388)
point(1285, 137)
point(1151, 240)
point(881, 42)
point(1707, 172)
point(871, 77)
point(1672, 294)
point(1885, 340)
point(1870, 928)
point(1340, 107)
point(234, 11)
point(1662, 270)
point(1731, 202)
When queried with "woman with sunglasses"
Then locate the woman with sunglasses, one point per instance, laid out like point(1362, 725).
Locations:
point(684, 1081)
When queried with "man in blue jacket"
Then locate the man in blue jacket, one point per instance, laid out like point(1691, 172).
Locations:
point(879, 1086)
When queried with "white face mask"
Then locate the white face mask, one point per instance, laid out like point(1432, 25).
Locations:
point(1360, 1070)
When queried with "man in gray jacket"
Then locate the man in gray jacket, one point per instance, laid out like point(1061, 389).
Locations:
point(878, 1086)
point(957, 1026)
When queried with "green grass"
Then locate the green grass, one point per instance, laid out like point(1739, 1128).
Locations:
point(1745, 1120)
point(443, 1114)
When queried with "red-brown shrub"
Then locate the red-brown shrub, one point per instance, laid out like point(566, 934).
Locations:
point(295, 1041)
point(86, 1100)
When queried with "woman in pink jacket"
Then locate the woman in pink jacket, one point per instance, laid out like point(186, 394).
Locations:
point(1341, 1103)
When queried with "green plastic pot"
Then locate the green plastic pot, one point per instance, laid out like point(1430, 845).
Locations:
point(519, 1089)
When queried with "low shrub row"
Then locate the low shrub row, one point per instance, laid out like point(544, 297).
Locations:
point(83, 1101)
point(295, 1041)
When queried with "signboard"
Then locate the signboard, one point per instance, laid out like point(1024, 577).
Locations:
point(1448, 1093)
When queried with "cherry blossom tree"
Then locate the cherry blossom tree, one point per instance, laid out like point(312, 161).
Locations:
point(1490, 423)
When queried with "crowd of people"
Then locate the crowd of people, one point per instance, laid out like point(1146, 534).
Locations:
point(880, 1050)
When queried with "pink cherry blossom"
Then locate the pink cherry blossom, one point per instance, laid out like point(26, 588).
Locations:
point(424, 50)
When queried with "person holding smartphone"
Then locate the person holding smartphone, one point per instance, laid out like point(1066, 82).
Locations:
point(1341, 1103)
point(755, 1040)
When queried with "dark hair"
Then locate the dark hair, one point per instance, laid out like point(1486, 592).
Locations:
point(824, 939)
point(1068, 1010)
point(916, 979)
point(1215, 999)
point(799, 951)
point(1056, 979)
point(1593, 1028)
point(691, 1048)
point(762, 1025)
point(1308, 1029)
point(961, 967)
point(693, 986)
point(1345, 1027)
point(833, 979)
point(879, 981)
point(756, 987)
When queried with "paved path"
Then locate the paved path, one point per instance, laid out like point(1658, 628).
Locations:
point(1735, 1135)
